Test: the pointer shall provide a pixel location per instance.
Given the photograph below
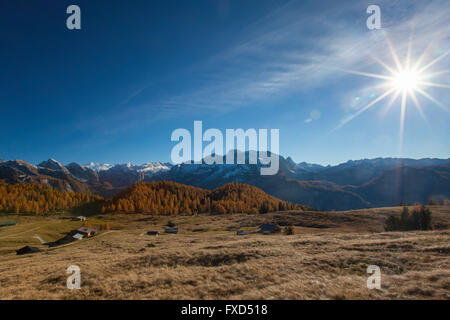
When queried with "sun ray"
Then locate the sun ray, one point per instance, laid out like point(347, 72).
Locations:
point(434, 61)
point(365, 108)
point(434, 74)
point(423, 55)
point(388, 68)
point(419, 108)
point(429, 97)
point(402, 123)
point(394, 54)
point(408, 54)
point(432, 84)
point(367, 74)
point(390, 103)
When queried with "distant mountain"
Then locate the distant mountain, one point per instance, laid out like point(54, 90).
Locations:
point(332, 187)
point(78, 178)
point(350, 185)
point(54, 169)
point(19, 166)
point(82, 173)
point(18, 171)
point(407, 185)
point(54, 165)
point(154, 167)
point(309, 167)
point(124, 175)
point(98, 167)
point(151, 167)
point(361, 171)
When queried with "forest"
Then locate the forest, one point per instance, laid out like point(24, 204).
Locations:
point(157, 198)
point(170, 198)
point(38, 199)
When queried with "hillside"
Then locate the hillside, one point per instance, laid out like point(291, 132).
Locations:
point(18, 171)
point(38, 199)
point(170, 198)
point(406, 185)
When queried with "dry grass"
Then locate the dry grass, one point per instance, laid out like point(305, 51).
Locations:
point(326, 259)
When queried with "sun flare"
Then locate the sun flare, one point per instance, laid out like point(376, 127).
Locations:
point(406, 80)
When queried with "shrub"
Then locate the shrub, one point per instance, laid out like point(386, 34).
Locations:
point(290, 230)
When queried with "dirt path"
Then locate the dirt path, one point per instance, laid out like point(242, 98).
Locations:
point(64, 245)
point(19, 233)
point(26, 231)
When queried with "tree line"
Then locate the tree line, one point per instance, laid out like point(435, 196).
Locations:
point(158, 198)
point(417, 219)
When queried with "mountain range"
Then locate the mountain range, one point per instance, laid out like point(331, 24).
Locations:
point(351, 185)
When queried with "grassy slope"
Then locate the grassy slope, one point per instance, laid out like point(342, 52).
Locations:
point(327, 259)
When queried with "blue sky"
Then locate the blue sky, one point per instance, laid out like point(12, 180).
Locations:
point(137, 70)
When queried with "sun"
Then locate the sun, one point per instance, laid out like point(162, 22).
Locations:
point(406, 81)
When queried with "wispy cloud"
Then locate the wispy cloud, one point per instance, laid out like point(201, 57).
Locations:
point(292, 50)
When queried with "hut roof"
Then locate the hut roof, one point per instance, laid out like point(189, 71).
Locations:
point(268, 227)
point(86, 230)
point(78, 236)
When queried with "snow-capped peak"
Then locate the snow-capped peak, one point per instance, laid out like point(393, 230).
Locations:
point(154, 167)
point(151, 167)
point(99, 167)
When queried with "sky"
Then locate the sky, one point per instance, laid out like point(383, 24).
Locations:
point(115, 90)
